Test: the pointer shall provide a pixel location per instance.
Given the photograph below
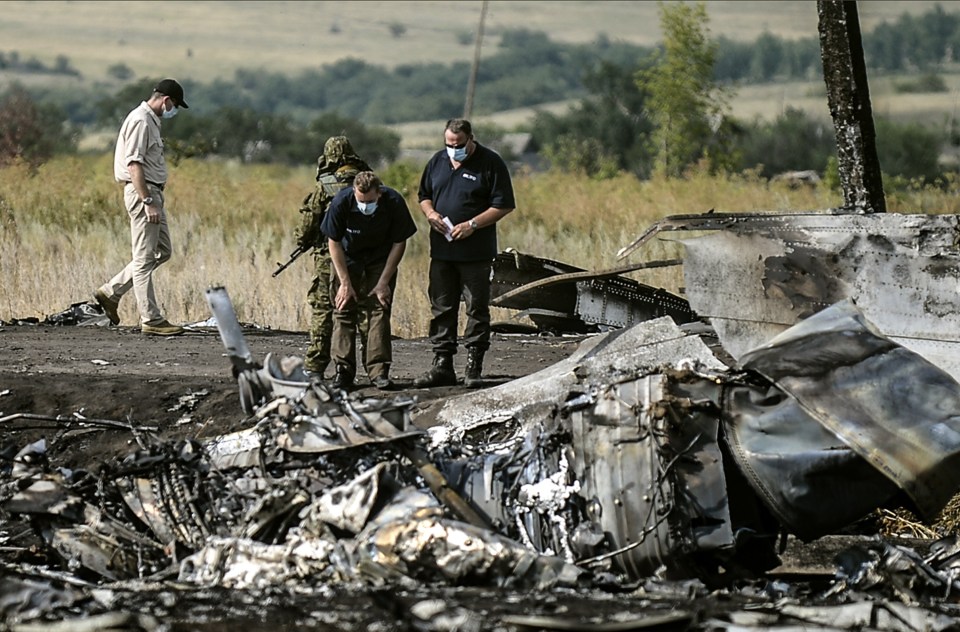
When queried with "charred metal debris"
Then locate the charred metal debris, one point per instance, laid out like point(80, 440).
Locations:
point(640, 462)
point(559, 298)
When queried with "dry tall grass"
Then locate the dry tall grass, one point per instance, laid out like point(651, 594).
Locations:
point(63, 232)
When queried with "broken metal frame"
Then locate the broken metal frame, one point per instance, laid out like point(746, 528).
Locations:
point(80, 421)
point(586, 275)
point(703, 221)
point(559, 297)
point(259, 382)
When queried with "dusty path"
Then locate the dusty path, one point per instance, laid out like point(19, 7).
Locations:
point(183, 385)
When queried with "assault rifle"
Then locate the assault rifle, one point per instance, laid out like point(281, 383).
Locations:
point(293, 257)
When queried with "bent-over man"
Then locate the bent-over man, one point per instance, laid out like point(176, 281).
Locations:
point(367, 227)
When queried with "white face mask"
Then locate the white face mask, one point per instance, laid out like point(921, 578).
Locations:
point(457, 153)
point(169, 114)
point(367, 208)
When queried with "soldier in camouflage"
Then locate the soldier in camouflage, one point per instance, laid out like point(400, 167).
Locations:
point(336, 169)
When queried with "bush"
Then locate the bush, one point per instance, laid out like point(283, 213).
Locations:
point(924, 84)
point(791, 142)
point(908, 150)
point(120, 72)
point(31, 132)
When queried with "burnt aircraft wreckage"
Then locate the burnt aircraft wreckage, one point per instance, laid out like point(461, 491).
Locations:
point(643, 459)
point(560, 298)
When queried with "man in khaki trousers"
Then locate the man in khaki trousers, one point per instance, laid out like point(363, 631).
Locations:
point(139, 165)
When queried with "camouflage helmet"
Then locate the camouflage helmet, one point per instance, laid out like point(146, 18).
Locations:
point(337, 147)
point(336, 151)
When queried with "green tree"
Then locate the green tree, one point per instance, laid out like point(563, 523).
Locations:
point(120, 71)
point(685, 104)
point(908, 150)
point(791, 142)
point(377, 144)
point(767, 57)
point(603, 134)
point(260, 137)
point(112, 109)
point(586, 156)
point(30, 131)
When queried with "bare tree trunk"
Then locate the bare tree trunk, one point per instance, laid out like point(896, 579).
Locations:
point(848, 95)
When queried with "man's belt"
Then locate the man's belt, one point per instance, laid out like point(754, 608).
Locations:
point(156, 184)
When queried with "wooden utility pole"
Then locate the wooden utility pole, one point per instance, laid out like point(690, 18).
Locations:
point(845, 73)
point(475, 68)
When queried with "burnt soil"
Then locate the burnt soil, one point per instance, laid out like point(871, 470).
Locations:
point(183, 386)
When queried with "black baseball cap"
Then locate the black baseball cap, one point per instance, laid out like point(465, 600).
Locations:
point(172, 89)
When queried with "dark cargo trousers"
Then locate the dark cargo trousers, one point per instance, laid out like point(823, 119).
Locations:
point(377, 349)
point(449, 280)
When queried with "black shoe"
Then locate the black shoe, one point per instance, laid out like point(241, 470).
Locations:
point(440, 374)
point(471, 377)
point(383, 382)
point(343, 379)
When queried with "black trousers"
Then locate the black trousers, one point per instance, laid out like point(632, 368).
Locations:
point(449, 282)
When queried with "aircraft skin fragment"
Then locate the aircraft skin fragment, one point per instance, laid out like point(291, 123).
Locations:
point(754, 277)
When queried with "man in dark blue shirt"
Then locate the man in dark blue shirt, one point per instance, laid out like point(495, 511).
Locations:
point(367, 227)
point(464, 191)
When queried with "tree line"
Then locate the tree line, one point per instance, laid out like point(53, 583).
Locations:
point(625, 93)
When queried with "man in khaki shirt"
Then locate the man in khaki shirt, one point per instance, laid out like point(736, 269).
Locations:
point(139, 165)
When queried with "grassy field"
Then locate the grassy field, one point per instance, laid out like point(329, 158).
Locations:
point(63, 232)
point(768, 101)
point(206, 40)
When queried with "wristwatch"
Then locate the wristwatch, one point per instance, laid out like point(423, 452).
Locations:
point(147, 201)
point(473, 224)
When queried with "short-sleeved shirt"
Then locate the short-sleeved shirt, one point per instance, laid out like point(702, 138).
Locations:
point(480, 182)
point(139, 141)
point(367, 239)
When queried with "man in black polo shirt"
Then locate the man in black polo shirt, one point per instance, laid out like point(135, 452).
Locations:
point(464, 191)
point(367, 227)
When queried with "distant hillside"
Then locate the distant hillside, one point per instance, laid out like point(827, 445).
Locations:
point(267, 62)
point(204, 40)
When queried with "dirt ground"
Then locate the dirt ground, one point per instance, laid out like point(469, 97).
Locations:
point(183, 385)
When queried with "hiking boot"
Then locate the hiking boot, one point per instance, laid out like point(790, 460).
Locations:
point(163, 328)
point(471, 377)
point(383, 382)
point(108, 306)
point(440, 374)
point(343, 379)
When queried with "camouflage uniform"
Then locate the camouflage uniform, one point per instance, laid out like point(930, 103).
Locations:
point(336, 169)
